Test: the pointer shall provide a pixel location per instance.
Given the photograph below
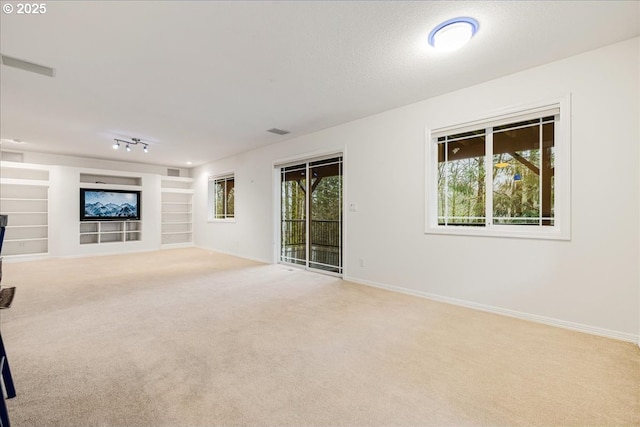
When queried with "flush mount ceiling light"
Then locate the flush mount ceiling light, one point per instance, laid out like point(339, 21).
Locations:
point(134, 141)
point(453, 34)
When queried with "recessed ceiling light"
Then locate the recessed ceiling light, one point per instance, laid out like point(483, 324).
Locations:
point(189, 163)
point(453, 34)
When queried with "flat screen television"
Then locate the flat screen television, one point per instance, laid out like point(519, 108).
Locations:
point(109, 205)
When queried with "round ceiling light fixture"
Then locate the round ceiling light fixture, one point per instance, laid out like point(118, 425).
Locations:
point(453, 34)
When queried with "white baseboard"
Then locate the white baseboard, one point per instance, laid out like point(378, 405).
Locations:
point(176, 245)
point(25, 257)
point(593, 330)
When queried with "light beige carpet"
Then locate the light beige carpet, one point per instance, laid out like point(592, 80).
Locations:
point(192, 338)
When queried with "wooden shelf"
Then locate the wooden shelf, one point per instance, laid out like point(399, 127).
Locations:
point(97, 232)
point(176, 203)
point(25, 198)
point(18, 199)
point(110, 186)
point(34, 182)
point(177, 190)
point(119, 179)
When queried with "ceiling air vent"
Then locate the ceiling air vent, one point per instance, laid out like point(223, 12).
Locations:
point(278, 131)
point(27, 66)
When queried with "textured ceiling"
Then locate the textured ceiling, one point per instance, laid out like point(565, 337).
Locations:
point(203, 80)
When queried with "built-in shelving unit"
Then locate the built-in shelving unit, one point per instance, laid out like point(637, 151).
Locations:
point(177, 215)
point(116, 182)
point(92, 232)
point(97, 232)
point(24, 197)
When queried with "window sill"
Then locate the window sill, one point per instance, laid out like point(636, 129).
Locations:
point(503, 231)
point(227, 220)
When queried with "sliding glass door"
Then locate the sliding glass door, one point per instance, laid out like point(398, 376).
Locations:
point(311, 214)
point(293, 230)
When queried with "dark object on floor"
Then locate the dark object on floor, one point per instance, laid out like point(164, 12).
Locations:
point(6, 297)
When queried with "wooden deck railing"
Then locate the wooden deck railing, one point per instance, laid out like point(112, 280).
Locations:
point(322, 233)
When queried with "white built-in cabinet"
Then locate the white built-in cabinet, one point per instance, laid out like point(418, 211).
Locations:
point(24, 197)
point(109, 231)
point(177, 214)
point(97, 232)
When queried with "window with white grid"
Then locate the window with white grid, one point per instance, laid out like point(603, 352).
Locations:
point(221, 197)
point(502, 176)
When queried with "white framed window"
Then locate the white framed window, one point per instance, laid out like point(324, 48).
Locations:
point(505, 175)
point(221, 198)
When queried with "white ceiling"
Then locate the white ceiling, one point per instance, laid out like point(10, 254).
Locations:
point(201, 80)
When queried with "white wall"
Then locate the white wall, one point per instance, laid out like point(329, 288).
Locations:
point(589, 283)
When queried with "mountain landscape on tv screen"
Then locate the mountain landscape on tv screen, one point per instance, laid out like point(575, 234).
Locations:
point(97, 209)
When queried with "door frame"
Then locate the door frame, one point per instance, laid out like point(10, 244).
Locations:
point(276, 198)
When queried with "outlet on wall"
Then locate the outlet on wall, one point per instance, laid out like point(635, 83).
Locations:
point(361, 262)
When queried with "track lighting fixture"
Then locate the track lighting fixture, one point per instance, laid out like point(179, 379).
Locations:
point(134, 141)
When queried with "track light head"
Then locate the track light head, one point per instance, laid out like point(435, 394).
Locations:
point(116, 145)
point(128, 148)
point(145, 149)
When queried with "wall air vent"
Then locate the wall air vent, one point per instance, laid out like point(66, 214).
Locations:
point(173, 172)
point(27, 66)
point(278, 131)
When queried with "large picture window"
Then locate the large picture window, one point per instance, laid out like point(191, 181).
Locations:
point(221, 197)
point(505, 176)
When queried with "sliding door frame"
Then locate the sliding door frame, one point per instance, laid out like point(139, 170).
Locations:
point(277, 204)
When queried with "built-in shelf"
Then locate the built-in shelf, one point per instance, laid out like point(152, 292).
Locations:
point(176, 204)
point(109, 186)
point(115, 180)
point(171, 183)
point(96, 232)
point(24, 197)
point(99, 232)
